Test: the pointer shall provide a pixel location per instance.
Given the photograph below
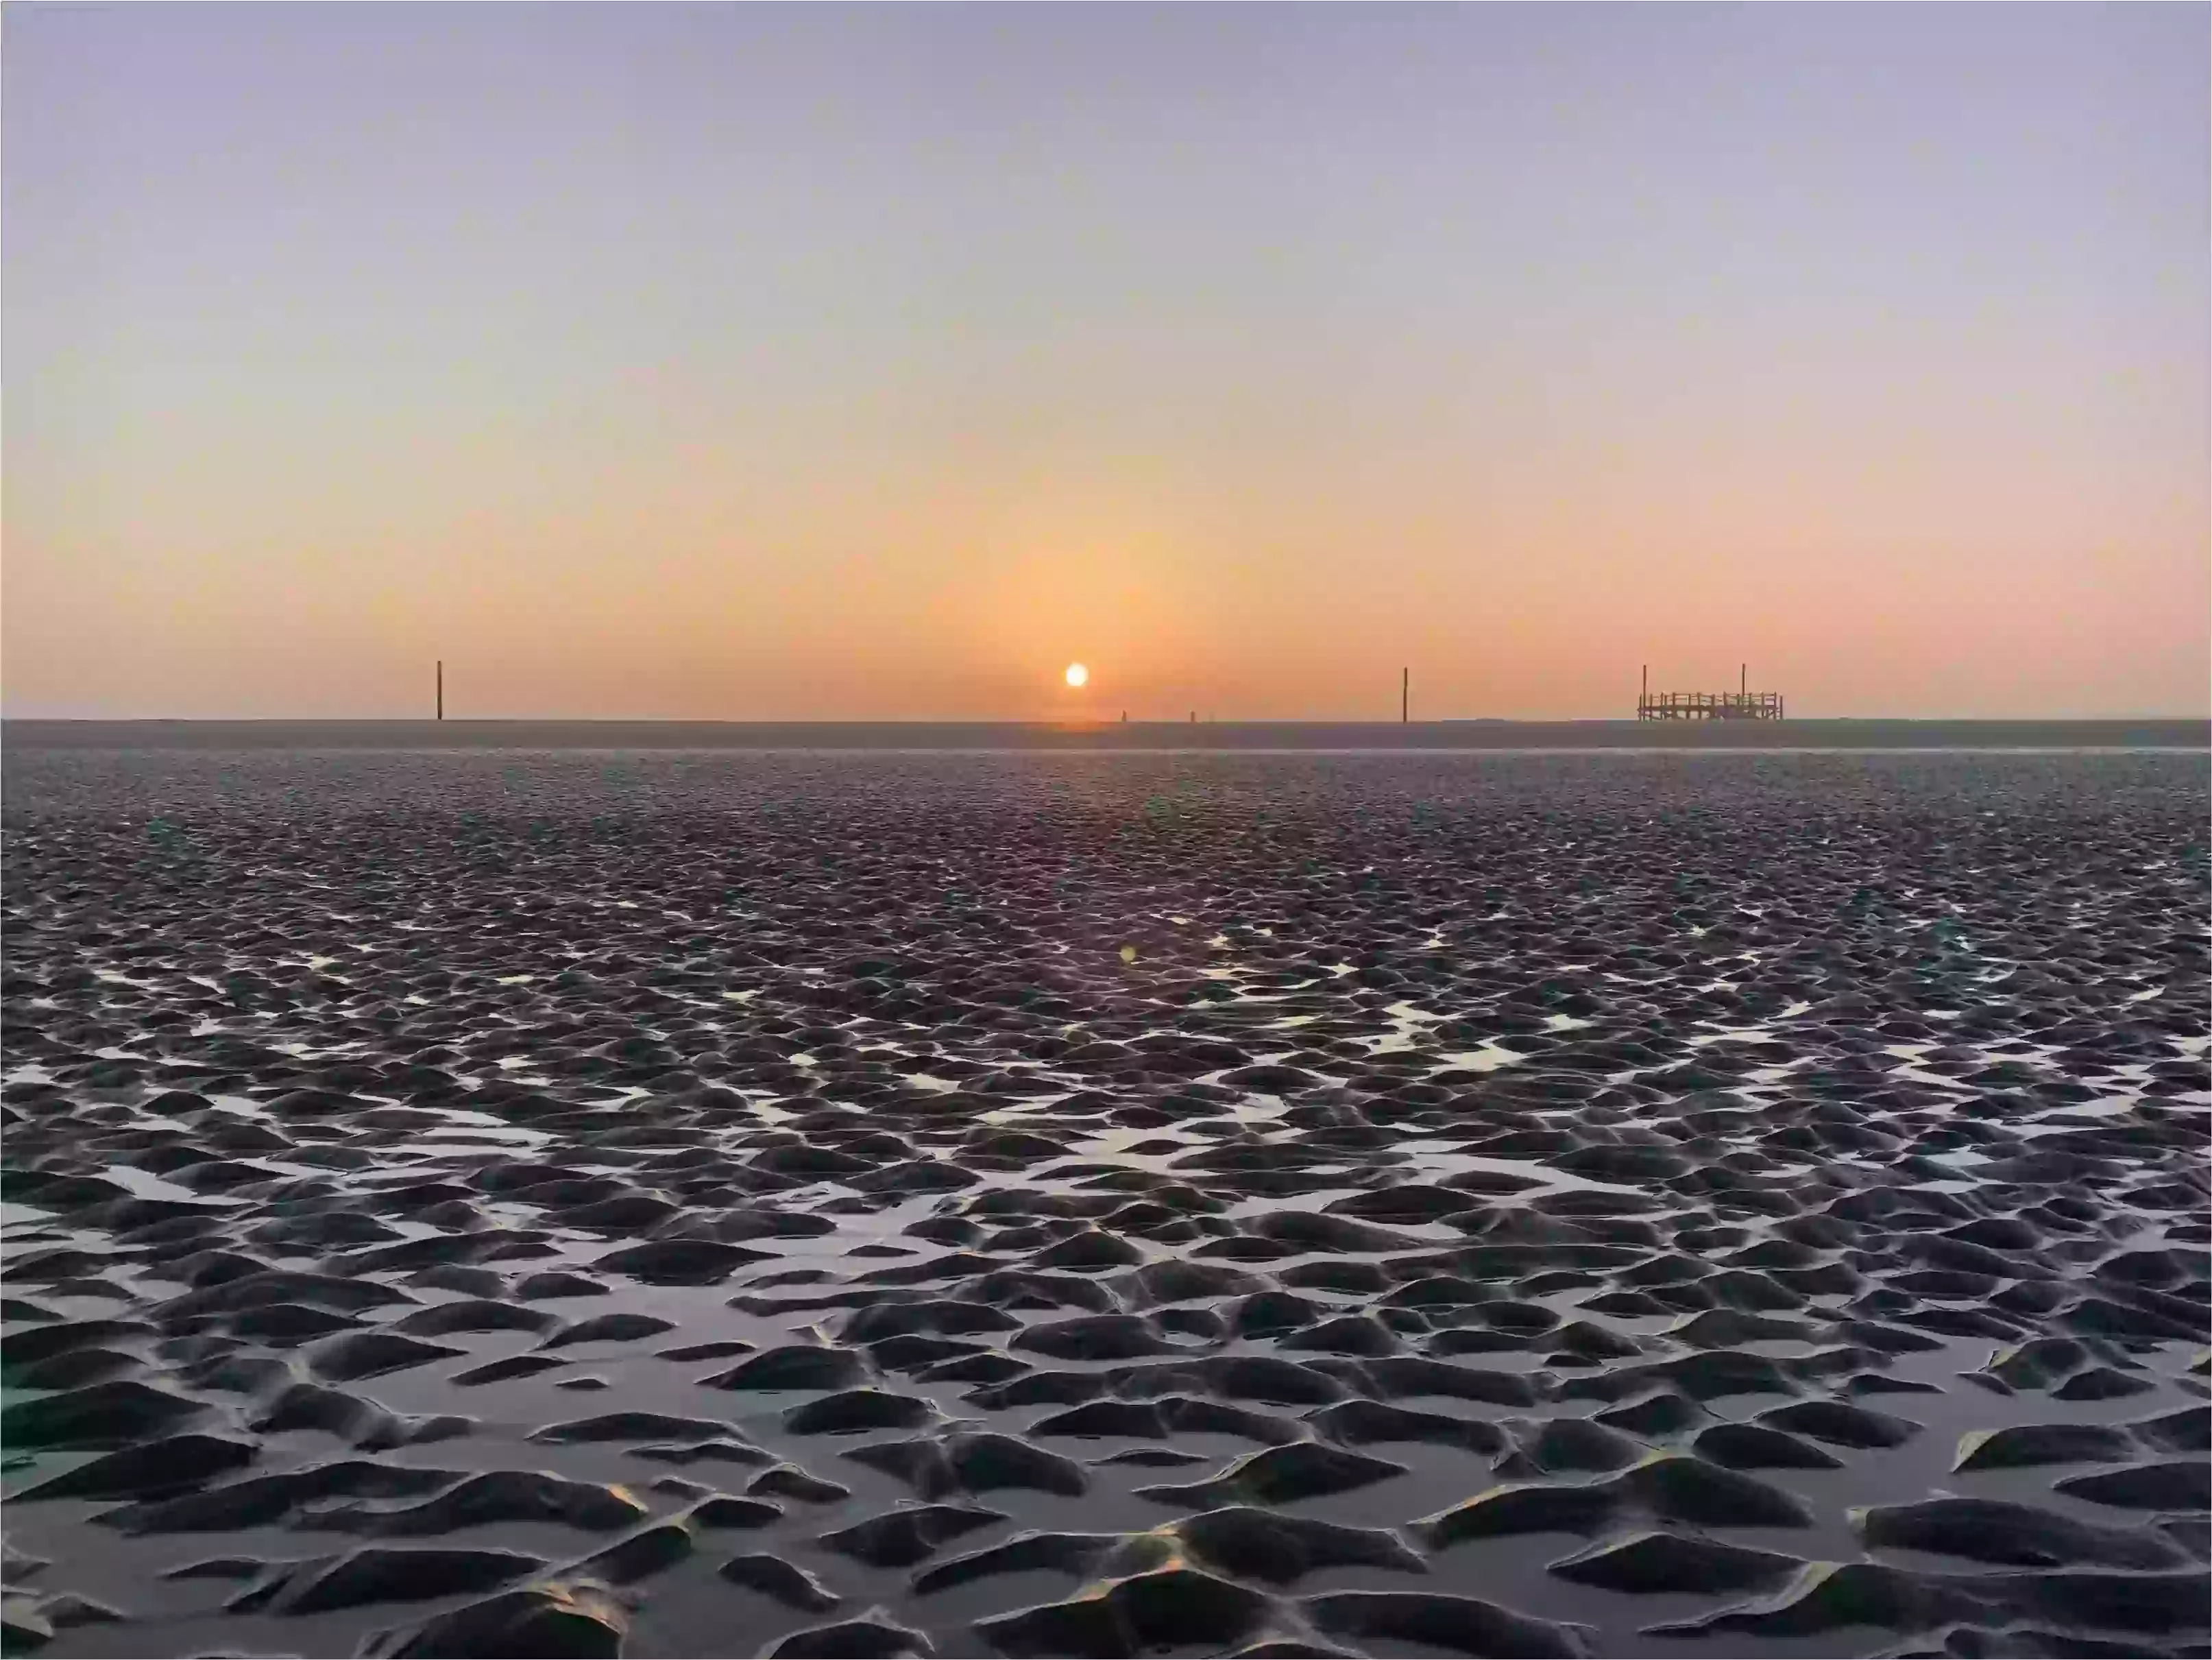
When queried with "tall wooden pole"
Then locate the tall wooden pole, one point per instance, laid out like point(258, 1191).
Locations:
point(1405, 695)
point(441, 687)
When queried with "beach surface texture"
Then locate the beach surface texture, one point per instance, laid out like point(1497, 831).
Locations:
point(581, 1197)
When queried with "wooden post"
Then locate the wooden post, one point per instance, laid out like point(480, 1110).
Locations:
point(441, 687)
point(1405, 695)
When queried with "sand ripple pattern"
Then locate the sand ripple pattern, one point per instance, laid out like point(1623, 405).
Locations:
point(580, 1204)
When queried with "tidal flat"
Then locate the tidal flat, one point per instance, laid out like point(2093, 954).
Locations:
point(565, 1202)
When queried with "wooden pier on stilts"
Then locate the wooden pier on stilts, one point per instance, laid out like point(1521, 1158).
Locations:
point(1741, 704)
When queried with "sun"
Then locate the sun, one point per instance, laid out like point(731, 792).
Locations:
point(1077, 674)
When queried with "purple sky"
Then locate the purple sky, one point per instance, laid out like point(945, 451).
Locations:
point(755, 362)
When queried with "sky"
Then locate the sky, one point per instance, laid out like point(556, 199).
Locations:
point(752, 362)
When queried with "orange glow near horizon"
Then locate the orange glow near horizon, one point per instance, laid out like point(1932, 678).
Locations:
point(759, 363)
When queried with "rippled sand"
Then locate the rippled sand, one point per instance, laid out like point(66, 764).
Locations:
point(506, 1203)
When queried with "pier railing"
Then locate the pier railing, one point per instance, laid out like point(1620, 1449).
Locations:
point(1708, 706)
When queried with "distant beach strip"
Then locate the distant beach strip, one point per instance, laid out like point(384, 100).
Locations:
point(2188, 735)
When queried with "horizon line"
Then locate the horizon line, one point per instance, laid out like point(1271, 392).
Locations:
point(1099, 722)
point(1109, 725)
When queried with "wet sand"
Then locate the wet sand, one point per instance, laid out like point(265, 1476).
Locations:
point(677, 1203)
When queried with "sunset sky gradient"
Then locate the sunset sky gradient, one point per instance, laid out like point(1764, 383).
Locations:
point(755, 362)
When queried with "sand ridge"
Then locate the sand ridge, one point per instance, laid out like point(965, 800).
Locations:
point(549, 1203)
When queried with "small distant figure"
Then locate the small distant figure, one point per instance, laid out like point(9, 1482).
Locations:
point(1194, 717)
point(1125, 717)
